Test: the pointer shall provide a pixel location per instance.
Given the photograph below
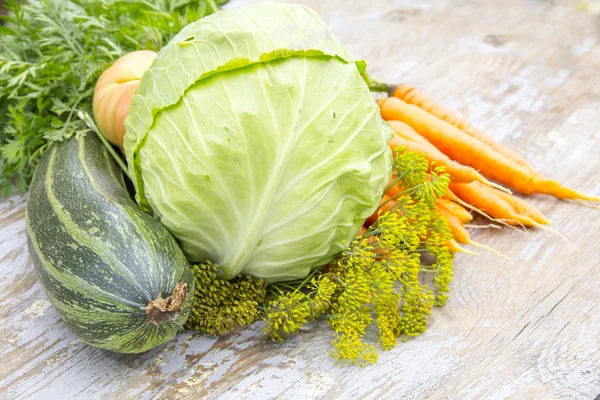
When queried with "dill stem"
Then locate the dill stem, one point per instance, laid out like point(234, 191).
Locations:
point(114, 154)
point(306, 280)
point(92, 125)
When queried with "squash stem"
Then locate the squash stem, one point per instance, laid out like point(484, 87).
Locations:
point(160, 310)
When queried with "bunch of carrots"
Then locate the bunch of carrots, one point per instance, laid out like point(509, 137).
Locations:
point(473, 159)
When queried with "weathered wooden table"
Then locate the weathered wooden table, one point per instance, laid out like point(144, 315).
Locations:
point(525, 71)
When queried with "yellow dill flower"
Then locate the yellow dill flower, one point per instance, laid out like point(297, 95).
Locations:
point(321, 296)
point(218, 306)
point(349, 348)
point(288, 311)
point(286, 315)
point(377, 284)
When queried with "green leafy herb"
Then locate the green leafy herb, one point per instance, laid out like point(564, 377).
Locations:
point(51, 54)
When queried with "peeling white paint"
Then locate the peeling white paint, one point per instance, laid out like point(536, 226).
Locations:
point(38, 308)
point(584, 46)
point(557, 80)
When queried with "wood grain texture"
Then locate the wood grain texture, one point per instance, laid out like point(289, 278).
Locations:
point(524, 71)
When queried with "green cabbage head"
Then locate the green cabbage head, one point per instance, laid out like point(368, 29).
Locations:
point(254, 138)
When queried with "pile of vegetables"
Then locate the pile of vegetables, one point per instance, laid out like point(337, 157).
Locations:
point(267, 183)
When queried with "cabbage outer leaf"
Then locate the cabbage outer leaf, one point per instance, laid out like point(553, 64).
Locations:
point(256, 141)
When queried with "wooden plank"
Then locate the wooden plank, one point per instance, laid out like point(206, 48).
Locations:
point(528, 327)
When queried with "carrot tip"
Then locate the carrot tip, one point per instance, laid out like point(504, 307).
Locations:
point(500, 221)
point(583, 203)
point(560, 235)
point(459, 249)
point(587, 197)
point(512, 223)
point(557, 190)
point(496, 186)
point(488, 249)
point(483, 226)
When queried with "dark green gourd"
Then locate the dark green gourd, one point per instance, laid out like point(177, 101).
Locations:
point(114, 273)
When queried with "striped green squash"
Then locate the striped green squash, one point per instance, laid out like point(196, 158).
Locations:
point(114, 273)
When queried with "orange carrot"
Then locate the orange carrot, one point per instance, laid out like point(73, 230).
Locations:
point(469, 151)
point(490, 203)
point(459, 211)
point(385, 205)
point(408, 133)
point(459, 173)
point(522, 207)
point(413, 96)
point(395, 190)
point(501, 207)
point(454, 247)
point(451, 196)
point(362, 231)
point(460, 233)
